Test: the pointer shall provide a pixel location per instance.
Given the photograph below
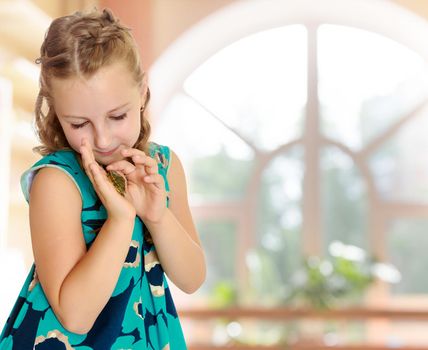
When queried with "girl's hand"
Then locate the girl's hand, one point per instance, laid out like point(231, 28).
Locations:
point(146, 187)
point(116, 205)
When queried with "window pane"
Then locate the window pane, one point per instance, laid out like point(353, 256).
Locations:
point(407, 243)
point(219, 242)
point(366, 82)
point(344, 200)
point(279, 226)
point(217, 161)
point(400, 165)
point(257, 85)
point(220, 176)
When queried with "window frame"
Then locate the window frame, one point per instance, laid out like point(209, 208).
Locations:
point(168, 73)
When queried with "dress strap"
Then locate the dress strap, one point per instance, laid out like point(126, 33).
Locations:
point(162, 155)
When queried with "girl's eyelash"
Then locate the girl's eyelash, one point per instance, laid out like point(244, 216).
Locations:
point(119, 117)
point(78, 126)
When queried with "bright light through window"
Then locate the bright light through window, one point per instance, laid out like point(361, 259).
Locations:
point(357, 68)
point(252, 84)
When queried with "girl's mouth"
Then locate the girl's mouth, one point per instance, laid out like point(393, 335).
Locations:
point(108, 153)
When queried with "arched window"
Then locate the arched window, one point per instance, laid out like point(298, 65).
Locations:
point(301, 124)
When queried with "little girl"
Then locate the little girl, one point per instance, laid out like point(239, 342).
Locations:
point(109, 212)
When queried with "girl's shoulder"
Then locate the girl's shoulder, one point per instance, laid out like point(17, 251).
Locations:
point(64, 160)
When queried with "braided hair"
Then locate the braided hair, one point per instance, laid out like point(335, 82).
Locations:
point(79, 45)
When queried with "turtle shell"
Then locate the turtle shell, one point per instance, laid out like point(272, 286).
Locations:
point(118, 181)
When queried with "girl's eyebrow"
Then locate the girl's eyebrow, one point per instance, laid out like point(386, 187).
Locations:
point(111, 111)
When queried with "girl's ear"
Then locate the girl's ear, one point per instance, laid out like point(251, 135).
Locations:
point(144, 97)
point(143, 92)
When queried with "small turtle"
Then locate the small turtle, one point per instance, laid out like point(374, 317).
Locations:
point(118, 181)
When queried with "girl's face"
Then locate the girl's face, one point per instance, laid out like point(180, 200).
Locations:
point(104, 109)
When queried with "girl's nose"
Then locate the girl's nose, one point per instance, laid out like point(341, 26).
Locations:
point(102, 139)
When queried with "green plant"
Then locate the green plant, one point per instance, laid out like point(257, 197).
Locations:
point(223, 295)
point(340, 278)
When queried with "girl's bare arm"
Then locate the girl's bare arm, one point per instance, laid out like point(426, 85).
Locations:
point(77, 283)
point(175, 236)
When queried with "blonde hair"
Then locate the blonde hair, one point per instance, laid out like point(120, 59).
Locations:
point(79, 45)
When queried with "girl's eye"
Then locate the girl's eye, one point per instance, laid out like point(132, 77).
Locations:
point(119, 117)
point(78, 126)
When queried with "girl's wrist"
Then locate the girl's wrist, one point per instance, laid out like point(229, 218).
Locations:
point(123, 216)
point(154, 222)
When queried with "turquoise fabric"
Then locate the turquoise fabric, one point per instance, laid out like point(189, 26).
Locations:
point(140, 313)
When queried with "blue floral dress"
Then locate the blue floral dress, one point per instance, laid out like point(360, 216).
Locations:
point(140, 313)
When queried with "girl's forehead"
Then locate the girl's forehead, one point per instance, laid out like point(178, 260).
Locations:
point(106, 82)
point(105, 90)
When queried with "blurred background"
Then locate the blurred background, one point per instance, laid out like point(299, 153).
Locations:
point(302, 126)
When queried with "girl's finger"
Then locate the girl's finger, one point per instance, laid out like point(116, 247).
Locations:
point(86, 163)
point(150, 165)
point(122, 165)
point(100, 181)
point(87, 155)
point(88, 159)
point(87, 150)
point(155, 179)
point(141, 159)
point(93, 172)
point(129, 152)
